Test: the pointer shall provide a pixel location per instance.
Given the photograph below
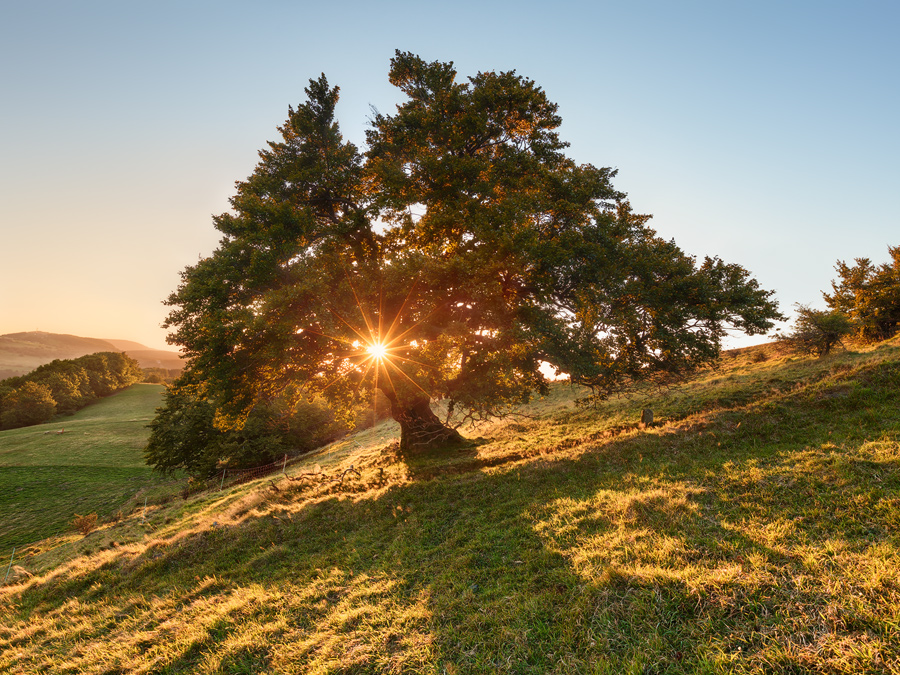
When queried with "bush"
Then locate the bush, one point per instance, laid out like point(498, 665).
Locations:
point(184, 435)
point(817, 331)
point(85, 524)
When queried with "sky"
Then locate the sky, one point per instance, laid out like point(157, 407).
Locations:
point(761, 132)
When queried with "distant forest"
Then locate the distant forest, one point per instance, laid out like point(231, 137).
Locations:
point(64, 387)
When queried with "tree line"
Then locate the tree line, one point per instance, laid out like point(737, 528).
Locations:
point(64, 386)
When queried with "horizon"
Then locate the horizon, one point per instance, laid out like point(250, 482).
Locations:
point(111, 340)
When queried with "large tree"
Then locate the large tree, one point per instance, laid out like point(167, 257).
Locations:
point(462, 250)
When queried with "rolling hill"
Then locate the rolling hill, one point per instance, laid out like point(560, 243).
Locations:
point(21, 353)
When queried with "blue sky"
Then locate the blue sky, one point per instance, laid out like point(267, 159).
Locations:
point(761, 132)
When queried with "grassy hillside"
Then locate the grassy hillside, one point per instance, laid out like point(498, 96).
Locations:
point(95, 466)
point(754, 529)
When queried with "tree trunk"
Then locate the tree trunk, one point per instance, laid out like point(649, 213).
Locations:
point(420, 428)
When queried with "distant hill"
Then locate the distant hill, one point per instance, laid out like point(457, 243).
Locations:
point(21, 353)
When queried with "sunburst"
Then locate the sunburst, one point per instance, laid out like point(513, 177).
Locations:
point(376, 351)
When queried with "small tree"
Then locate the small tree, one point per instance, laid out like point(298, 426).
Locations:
point(869, 295)
point(183, 434)
point(816, 331)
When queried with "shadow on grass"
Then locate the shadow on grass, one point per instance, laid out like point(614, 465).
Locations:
point(764, 547)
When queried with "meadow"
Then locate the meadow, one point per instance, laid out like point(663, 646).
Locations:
point(753, 528)
point(89, 462)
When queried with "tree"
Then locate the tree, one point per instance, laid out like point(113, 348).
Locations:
point(30, 403)
point(869, 295)
point(448, 262)
point(817, 332)
point(68, 382)
point(183, 436)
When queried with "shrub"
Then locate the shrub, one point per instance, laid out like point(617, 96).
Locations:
point(817, 331)
point(85, 524)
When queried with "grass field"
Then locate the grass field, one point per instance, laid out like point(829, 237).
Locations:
point(96, 466)
point(755, 528)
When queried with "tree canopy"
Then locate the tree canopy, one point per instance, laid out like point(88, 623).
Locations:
point(449, 260)
point(870, 295)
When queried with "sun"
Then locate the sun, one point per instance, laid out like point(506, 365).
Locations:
point(378, 350)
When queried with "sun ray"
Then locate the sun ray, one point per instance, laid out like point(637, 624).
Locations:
point(331, 337)
point(335, 379)
point(378, 338)
point(388, 376)
point(408, 360)
point(412, 381)
point(362, 310)
point(416, 325)
point(365, 374)
point(348, 324)
point(387, 338)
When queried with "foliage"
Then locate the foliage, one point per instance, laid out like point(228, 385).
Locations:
point(462, 250)
point(160, 375)
point(68, 385)
point(183, 435)
point(869, 295)
point(817, 332)
point(30, 403)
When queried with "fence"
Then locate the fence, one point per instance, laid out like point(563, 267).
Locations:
point(238, 476)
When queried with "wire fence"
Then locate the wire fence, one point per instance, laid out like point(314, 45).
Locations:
point(238, 476)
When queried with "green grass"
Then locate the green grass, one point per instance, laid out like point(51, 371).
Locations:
point(754, 529)
point(96, 466)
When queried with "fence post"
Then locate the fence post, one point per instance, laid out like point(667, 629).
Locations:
point(284, 466)
point(10, 565)
point(223, 478)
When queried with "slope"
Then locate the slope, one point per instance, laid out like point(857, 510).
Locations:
point(753, 529)
point(89, 462)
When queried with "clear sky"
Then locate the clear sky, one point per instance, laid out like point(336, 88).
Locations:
point(762, 132)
